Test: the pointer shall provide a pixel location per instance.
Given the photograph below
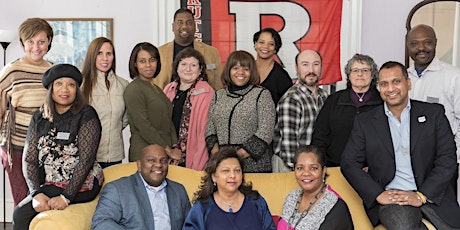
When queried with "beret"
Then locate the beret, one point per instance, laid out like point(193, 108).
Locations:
point(59, 71)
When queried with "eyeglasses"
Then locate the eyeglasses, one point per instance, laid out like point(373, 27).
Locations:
point(363, 70)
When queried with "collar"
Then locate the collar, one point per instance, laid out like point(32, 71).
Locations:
point(387, 111)
point(153, 188)
point(435, 65)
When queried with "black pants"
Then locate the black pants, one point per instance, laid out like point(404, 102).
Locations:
point(24, 212)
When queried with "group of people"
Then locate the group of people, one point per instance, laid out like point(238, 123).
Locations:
point(184, 108)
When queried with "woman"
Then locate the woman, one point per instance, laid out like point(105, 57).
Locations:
point(225, 200)
point(21, 88)
point(335, 120)
point(149, 110)
point(104, 91)
point(267, 43)
point(60, 151)
point(314, 205)
point(191, 96)
point(242, 115)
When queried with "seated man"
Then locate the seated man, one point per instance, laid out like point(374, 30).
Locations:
point(409, 149)
point(144, 200)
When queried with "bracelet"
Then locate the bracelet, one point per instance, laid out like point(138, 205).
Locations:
point(421, 197)
point(65, 200)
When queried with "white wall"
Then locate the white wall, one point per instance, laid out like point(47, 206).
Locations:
point(383, 29)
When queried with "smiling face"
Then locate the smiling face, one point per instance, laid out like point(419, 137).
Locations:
point(153, 165)
point(240, 75)
point(36, 47)
point(421, 45)
point(394, 88)
point(265, 46)
point(309, 173)
point(228, 176)
point(64, 93)
point(146, 65)
point(104, 58)
point(184, 29)
point(188, 70)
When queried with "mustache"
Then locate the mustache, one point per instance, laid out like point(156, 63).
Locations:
point(311, 74)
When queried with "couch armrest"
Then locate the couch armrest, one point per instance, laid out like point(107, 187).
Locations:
point(74, 217)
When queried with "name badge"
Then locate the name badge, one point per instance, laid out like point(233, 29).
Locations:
point(210, 66)
point(63, 136)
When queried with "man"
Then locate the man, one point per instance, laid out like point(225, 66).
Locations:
point(184, 28)
point(434, 80)
point(144, 200)
point(409, 151)
point(298, 107)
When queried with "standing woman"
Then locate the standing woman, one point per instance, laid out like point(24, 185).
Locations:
point(21, 88)
point(60, 151)
point(267, 43)
point(149, 110)
point(104, 91)
point(242, 115)
point(191, 96)
point(335, 120)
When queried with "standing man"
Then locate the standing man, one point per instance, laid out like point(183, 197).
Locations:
point(434, 80)
point(409, 150)
point(298, 107)
point(184, 28)
point(144, 200)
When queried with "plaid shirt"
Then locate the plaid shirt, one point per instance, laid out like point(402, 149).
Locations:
point(297, 111)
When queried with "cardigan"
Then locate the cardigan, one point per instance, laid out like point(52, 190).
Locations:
point(243, 119)
point(200, 98)
point(111, 110)
point(149, 117)
point(335, 121)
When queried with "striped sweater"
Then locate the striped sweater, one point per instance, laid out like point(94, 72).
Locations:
point(23, 84)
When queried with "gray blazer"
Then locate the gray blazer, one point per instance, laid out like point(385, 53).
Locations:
point(124, 204)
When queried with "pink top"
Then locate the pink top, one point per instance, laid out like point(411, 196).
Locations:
point(197, 154)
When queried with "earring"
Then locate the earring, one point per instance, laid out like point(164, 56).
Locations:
point(214, 183)
point(324, 180)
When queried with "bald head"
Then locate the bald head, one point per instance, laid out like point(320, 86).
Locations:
point(426, 29)
point(152, 148)
point(421, 45)
point(153, 165)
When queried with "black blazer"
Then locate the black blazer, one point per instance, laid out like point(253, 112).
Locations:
point(433, 156)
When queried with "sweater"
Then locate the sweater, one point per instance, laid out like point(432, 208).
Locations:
point(243, 119)
point(149, 117)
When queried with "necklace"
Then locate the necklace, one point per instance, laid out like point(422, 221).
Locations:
point(310, 205)
point(360, 98)
point(229, 204)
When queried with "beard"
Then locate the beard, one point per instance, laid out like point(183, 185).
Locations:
point(309, 83)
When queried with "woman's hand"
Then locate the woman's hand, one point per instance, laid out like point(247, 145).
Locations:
point(40, 202)
point(215, 149)
point(175, 155)
point(58, 203)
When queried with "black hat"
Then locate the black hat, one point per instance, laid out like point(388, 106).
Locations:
point(61, 70)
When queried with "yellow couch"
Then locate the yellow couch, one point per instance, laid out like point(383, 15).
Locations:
point(274, 187)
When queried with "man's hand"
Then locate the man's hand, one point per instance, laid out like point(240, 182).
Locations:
point(40, 202)
point(175, 155)
point(399, 197)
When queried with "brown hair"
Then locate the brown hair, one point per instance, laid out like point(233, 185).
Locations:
point(33, 26)
point(243, 58)
point(207, 187)
point(152, 50)
point(89, 70)
point(49, 108)
point(186, 53)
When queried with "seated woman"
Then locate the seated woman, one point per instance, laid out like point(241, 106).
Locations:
point(315, 205)
point(191, 96)
point(60, 152)
point(225, 200)
point(242, 115)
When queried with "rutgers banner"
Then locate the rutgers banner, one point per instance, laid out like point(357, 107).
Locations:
point(302, 24)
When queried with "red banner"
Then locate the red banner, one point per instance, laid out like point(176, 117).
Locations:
point(302, 24)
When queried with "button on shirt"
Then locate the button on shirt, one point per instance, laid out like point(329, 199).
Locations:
point(159, 204)
point(400, 135)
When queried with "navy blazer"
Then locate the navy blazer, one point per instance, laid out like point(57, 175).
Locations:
point(124, 204)
point(433, 157)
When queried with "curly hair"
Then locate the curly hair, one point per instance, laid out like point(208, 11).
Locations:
point(363, 59)
point(207, 187)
